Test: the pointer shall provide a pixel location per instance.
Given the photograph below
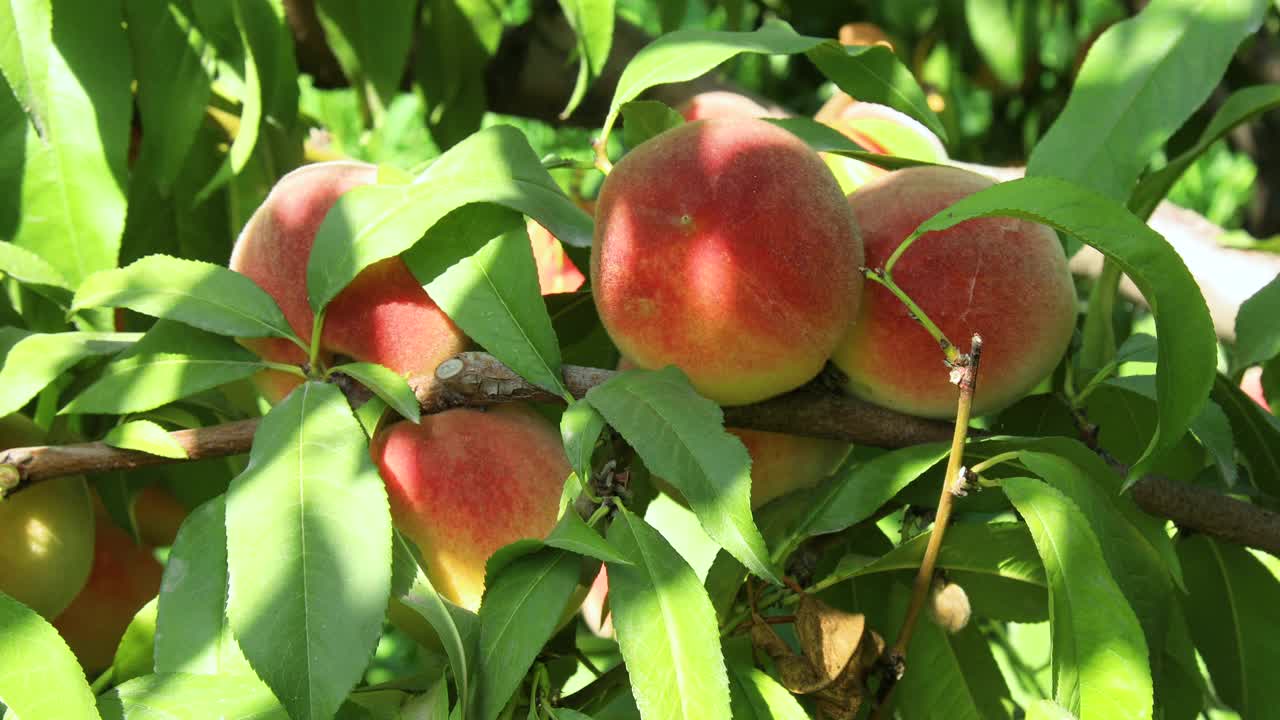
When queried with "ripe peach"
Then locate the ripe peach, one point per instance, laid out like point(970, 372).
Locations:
point(1251, 385)
point(1004, 278)
point(725, 247)
point(465, 482)
point(46, 532)
point(159, 515)
point(556, 272)
point(383, 316)
point(724, 104)
point(125, 577)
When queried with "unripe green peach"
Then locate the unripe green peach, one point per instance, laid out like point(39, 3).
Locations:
point(46, 532)
point(383, 316)
point(726, 248)
point(1003, 278)
point(465, 482)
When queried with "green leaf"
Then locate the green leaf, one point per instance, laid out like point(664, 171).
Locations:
point(1257, 334)
point(1187, 346)
point(375, 222)
point(144, 436)
point(1256, 433)
point(994, 29)
point(371, 41)
point(1138, 568)
point(1099, 655)
point(386, 384)
point(521, 608)
point(1211, 427)
point(193, 634)
point(996, 564)
point(643, 120)
point(666, 627)
point(580, 428)
point(25, 45)
point(71, 179)
point(31, 270)
point(461, 36)
point(1232, 603)
point(39, 677)
point(575, 535)
point(873, 74)
point(135, 654)
point(412, 587)
point(196, 697)
point(175, 66)
point(302, 574)
point(946, 683)
point(825, 139)
point(32, 360)
point(493, 296)
point(754, 695)
point(856, 491)
point(1141, 81)
point(201, 294)
point(1048, 710)
point(1243, 105)
point(171, 361)
point(252, 99)
point(592, 22)
point(681, 437)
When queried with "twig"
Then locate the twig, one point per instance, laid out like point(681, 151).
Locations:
point(966, 376)
point(478, 379)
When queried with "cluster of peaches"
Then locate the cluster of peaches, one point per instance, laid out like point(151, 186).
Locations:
point(726, 247)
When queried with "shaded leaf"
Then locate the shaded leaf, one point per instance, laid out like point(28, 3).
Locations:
point(172, 361)
point(592, 23)
point(580, 428)
point(520, 611)
point(202, 294)
point(1257, 334)
point(144, 436)
point(39, 677)
point(493, 296)
point(643, 120)
point(666, 627)
point(386, 384)
point(1099, 655)
point(371, 41)
point(680, 435)
point(32, 360)
point(322, 591)
point(755, 695)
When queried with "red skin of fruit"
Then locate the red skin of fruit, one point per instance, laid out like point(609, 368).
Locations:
point(383, 316)
point(1003, 278)
point(125, 576)
point(726, 248)
point(466, 482)
point(556, 272)
point(724, 104)
point(1251, 384)
point(594, 614)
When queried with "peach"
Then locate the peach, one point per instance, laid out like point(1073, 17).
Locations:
point(383, 316)
point(1251, 385)
point(46, 532)
point(125, 577)
point(726, 248)
point(158, 514)
point(465, 482)
point(1004, 278)
point(724, 104)
point(556, 272)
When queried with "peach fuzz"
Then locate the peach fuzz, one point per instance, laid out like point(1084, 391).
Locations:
point(125, 577)
point(724, 104)
point(383, 316)
point(1003, 278)
point(465, 482)
point(726, 248)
